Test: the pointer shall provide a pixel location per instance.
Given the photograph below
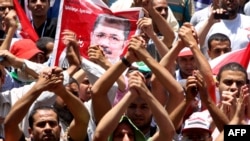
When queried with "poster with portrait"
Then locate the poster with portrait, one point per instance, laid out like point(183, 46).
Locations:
point(94, 23)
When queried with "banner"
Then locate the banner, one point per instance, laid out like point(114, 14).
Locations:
point(95, 24)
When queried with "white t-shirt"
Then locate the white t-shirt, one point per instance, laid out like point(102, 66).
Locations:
point(238, 30)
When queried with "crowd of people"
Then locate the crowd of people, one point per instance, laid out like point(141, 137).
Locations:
point(161, 89)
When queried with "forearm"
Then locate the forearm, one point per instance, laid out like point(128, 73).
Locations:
point(8, 38)
point(161, 47)
point(178, 113)
point(166, 79)
point(80, 113)
point(78, 128)
point(23, 66)
point(168, 61)
point(161, 116)
point(104, 83)
point(111, 119)
point(79, 75)
point(201, 61)
point(17, 113)
point(204, 68)
point(163, 27)
point(202, 33)
point(219, 118)
point(101, 87)
point(73, 59)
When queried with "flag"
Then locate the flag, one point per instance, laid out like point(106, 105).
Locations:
point(27, 31)
point(241, 56)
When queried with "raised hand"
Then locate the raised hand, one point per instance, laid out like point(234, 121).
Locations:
point(229, 101)
point(95, 54)
point(146, 25)
point(137, 46)
point(188, 35)
point(69, 38)
point(50, 79)
point(191, 88)
point(137, 82)
point(242, 104)
point(9, 20)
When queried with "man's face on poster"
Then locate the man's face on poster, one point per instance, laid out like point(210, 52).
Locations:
point(110, 36)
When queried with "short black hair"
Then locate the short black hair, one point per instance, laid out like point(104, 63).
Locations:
point(217, 37)
point(233, 66)
point(42, 42)
point(34, 111)
point(30, 0)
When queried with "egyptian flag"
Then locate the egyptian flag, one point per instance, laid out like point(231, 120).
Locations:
point(27, 31)
point(241, 56)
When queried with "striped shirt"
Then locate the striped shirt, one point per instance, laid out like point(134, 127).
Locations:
point(182, 9)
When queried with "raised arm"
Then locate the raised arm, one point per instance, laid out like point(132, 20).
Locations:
point(97, 56)
point(240, 114)
point(11, 60)
point(179, 112)
point(163, 75)
point(10, 27)
point(103, 84)
point(72, 52)
point(188, 37)
point(21, 107)
point(159, 113)
point(77, 129)
point(161, 23)
point(111, 119)
point(145, 24)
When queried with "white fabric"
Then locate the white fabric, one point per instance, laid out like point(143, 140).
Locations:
point(200, 15)
point(238, 30)
point(121, 4)
point(247, 8)
point(126, 4)
point(178, 75)
point(9, 98)
point(94, 71)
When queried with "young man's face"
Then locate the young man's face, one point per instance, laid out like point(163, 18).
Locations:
point(231, 6)
point(46, 126)
point(84, 90)
point(186, 65)
point(38, 7)
point(231, 81)
point(123, 132)
point(5, 6)
point(140, 114)
point(218, 48)
point(162, 7)
point(110, 37)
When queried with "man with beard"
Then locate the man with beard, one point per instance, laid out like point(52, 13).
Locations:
point(233, 24)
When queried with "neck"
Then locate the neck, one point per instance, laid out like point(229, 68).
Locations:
point(231, 17)
point(183, 76)
point(39, 20)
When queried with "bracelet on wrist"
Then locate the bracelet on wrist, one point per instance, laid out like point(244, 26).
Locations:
point(125, 61)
